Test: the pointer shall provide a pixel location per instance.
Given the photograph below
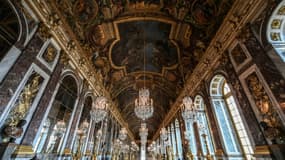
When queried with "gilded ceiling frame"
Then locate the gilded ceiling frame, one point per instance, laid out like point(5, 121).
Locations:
point(172, 35)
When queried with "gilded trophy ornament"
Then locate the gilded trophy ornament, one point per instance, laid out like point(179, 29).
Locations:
point(15, 120)
point(50, 54)
point(44, 31)
point(271, 123)
point(64, 58)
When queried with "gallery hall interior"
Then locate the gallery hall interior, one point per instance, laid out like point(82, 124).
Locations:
point(142, 79)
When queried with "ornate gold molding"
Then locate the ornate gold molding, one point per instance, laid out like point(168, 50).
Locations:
point(240, 14)
point(47, 12)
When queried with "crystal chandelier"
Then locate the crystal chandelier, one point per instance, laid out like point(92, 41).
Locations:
point(99, 134)
point(117, 144)
point(163, 133)
point(134, 146)
point(123, 134)
point(143, 133)
point(144, 104)
point(84, 126)
point(99, 109)
point(60, 128)
point(188, 109)
point(125, 148)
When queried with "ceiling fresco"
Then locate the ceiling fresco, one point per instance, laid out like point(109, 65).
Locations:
point(172, 35)
point(144, 45)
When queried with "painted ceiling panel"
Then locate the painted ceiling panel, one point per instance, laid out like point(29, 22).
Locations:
point(116, 33)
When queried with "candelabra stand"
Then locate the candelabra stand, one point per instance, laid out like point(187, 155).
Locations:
point(189, 154)
point(208, 155)
point(159, 156)
point(77, 155)
point(170, 155)
point(113, 156)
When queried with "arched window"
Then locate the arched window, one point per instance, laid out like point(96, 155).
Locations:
point(275, 30)
point(55, 126)
point(231, 126)
point(9, 28)
point(204, 126)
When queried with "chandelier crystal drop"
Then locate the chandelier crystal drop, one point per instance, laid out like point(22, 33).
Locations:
point(188, 109)
point(144, 104)
point(99, 109)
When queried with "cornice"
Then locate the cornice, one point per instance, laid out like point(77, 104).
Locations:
point(241, 13)
point(61, 32)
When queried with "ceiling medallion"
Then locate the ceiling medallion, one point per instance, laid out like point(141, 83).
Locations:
point(99, 109)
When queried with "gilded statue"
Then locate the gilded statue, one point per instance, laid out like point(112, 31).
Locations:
point(15, 121)
point(262, 100)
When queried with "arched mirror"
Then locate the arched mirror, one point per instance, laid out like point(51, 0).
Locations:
point(55, 126)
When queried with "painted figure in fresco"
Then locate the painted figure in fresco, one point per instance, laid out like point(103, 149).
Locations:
point(203, 11)
point(144, 41)
point(146, 1)
point(85, 10)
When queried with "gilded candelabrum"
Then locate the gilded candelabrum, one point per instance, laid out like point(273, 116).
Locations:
point(208, 155)
point(78, 154)
point(94, 156)
point(170, 155)
point(189, 154)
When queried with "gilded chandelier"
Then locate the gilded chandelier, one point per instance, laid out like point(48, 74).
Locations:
point(144, 104)
point(99, 109)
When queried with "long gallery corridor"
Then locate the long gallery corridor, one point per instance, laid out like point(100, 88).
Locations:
point(142, 79)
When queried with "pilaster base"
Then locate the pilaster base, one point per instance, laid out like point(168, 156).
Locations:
point(6, 150)
point(278, 150)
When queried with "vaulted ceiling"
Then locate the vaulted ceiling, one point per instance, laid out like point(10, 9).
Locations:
point(134, 43)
